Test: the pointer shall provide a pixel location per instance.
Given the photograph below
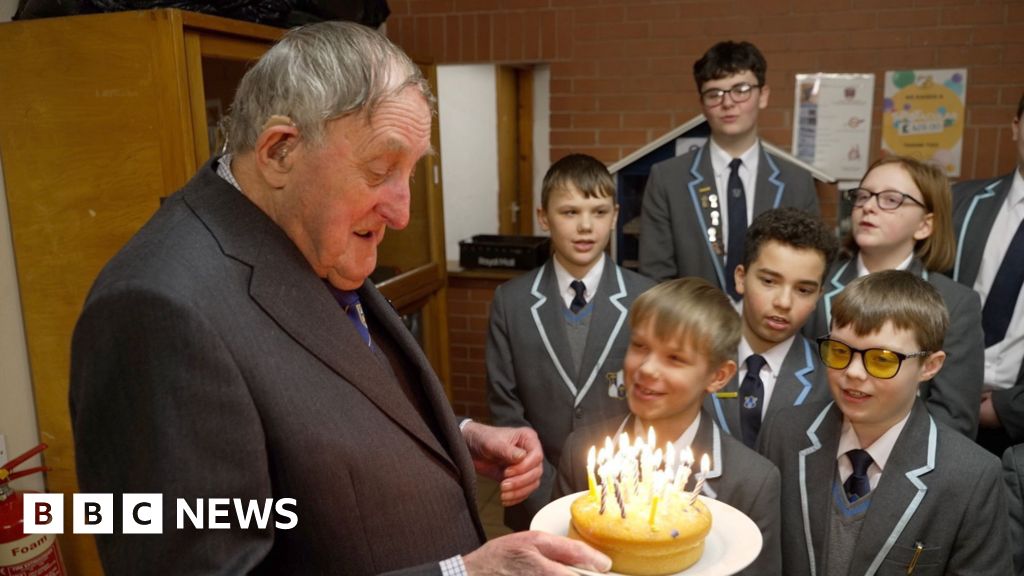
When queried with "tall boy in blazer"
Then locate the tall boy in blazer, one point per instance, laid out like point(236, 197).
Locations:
point(787, 254)
point(555, 347)
point(987, 217)
point(872, 483)
point(685, 334)
point(697, 206)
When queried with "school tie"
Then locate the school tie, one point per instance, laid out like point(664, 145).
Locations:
point(349, 301)
point(752, 397)
point(1002, 297)
point(737, 202)
point(858, 485)
point(578, 301)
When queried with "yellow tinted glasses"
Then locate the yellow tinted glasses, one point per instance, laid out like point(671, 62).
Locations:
point(878, 362)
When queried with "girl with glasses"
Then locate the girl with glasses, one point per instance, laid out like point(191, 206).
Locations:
point(902, 220)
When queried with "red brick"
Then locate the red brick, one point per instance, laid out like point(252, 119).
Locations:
point(574, 69)
point(789, 23)
point(464, 308)
point(864, 21)
point(479, 325)
point(987, 115)
point(514, 36)
point(601, 14)
point(986, 151)
point(531, 37)
point(573, 137)
point(484, 33)
point(653, 12)
point(424, 7)
point(549, 36)
point(982, 95)
point(1010, 96)
point(817, 41)
point(456, 323)
point(1012, 34)
point(654, 120)
point(1015, 13)
point(630, 138)
point(973, 15)
point(563, 104)
point(438, 37)
point(908, 18)
point(599, 121)
point(877, 39)
point(1008, 155)
point(467, 338)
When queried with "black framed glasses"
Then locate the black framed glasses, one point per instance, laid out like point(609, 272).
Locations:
point(888, 200)
point(878, 362)
point(739, 93)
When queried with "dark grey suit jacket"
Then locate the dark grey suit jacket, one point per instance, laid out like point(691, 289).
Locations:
point(530, 367)
point(675, 215)
point(802, 380)
point(975, 206)
point(210, 361)
point(1013, 473)
point(954, 395)
point(739, 477)
point(938, 489)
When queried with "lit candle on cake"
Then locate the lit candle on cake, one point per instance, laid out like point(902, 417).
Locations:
point(705, 467)
point(591, 463)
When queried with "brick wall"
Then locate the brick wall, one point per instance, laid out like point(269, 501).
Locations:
point(621, 69)
point(469, 307)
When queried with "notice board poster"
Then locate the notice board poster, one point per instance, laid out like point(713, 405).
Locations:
point(832, 130)
point(923, 116)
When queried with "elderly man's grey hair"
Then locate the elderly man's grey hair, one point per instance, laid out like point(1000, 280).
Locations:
point(318, 73)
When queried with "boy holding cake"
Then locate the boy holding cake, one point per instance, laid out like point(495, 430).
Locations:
point(873, 484)
point(558, 334)
point(788, 253)
point(684, 335)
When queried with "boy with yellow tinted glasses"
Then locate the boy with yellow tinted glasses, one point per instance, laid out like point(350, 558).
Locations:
point(878, 362)
point(871, 482)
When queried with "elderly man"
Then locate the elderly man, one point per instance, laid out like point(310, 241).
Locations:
point(234, 348)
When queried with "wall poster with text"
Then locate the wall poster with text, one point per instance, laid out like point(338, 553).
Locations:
point(923, 115)
point(832, 129)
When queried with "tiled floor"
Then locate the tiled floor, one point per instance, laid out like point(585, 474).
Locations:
point(488, 502)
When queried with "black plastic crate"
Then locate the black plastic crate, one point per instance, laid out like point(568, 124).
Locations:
point(490, 251)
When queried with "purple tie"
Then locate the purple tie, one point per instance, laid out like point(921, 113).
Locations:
point(349, 301)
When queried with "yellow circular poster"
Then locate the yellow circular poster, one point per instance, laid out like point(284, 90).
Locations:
point(923, 116)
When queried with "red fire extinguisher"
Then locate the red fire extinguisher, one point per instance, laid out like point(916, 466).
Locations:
point(24, 554)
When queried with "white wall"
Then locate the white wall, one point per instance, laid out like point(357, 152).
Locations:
point(467, 105)
point(17, 407)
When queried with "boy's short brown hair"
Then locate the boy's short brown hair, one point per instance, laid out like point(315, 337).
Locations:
point(690, 310)
point(896, 296)
point(794, 228)
point(586, 173)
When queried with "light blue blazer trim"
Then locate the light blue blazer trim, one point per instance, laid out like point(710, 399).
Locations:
point(922, 489)
point(780, 186)
point(716, 460)
point(989, 192)
point(579, 394)
point(697, 180)
point(834, 281)
point(812, 435)
point(802, 373)
point(720, 414)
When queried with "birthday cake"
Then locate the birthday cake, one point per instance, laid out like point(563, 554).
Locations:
point(637, 509)
point(672, 543)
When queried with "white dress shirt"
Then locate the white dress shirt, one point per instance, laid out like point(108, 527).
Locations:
point(879, 451)
point(591, 279)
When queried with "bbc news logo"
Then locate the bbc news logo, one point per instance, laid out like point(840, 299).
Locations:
point(144, 513)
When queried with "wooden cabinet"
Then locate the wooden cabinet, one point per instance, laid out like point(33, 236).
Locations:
point(100, 117)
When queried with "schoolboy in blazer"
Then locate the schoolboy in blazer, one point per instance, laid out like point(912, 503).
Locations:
point(787, 254)
point(684, 219)
point(913, 232)
point(684, 338)
point(986, 217)
point(549, 367)
point(928, 500)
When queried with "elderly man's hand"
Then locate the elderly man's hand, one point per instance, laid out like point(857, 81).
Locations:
point(512, 456)
point(533, 553)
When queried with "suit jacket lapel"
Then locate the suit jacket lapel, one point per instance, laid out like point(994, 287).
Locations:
point(607, 320)
point(285, 287)
point(794, 391)
point(769, 188)
point(981, 215)
point(708, 440)
point(844, 274)
point(817, 462)
point(899, 492)
point(704, 197)
point(549, 319)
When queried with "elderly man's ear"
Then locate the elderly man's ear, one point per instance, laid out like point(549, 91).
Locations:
point(274, 153)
